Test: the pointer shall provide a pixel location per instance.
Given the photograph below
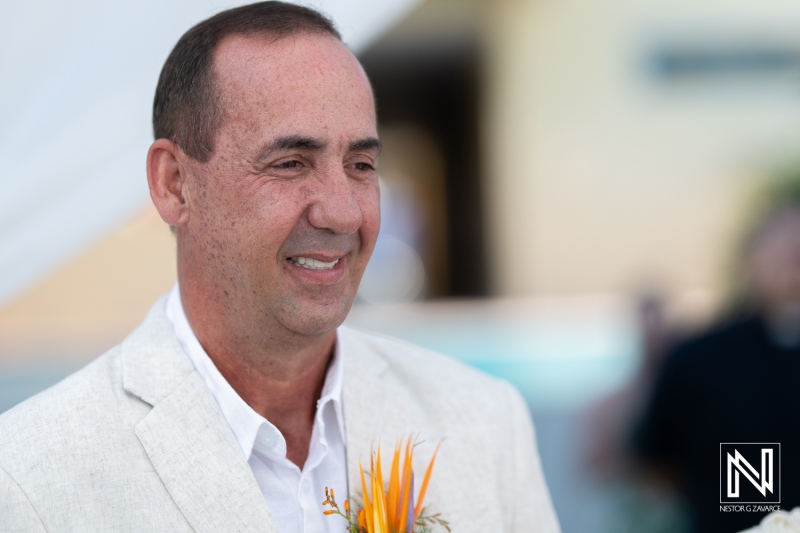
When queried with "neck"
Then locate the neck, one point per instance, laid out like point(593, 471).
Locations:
point(279, 374)
point(283, 391)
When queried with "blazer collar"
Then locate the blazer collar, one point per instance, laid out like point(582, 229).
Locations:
point(186, 436)
point(153, 362)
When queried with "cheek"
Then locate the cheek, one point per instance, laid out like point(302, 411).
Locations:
point(273, 212)
point(370, 202)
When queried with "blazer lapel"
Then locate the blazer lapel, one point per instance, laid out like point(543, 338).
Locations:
point(186, 436)
point(379, 407)
point(363, 403)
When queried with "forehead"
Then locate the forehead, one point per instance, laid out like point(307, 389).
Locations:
point(300, 81)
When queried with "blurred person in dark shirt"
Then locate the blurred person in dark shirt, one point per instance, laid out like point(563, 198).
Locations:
point(736, 383)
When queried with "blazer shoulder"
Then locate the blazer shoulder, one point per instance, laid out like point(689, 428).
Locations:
point(97, 395)
point(97, 383)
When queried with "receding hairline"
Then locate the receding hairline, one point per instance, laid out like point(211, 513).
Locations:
point(268, 39)
point(271, 38)
point(263, 38)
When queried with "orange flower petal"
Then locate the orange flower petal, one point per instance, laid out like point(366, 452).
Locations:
point(367, 503)
point(408, 487)
point(418, 508)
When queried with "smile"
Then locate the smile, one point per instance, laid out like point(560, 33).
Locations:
point(313, 264)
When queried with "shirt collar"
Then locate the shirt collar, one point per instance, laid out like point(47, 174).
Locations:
point(243, 420)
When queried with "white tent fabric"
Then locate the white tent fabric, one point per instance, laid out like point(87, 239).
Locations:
point(76, 86)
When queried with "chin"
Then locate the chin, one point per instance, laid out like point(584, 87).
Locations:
point(318, 321)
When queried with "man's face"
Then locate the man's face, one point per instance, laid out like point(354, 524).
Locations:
point(284, 216)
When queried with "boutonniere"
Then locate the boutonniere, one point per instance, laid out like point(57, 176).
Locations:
point(389, 508)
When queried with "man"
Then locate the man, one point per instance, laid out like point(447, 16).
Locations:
point(238, 400)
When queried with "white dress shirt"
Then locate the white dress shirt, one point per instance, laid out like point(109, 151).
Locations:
point(294, 496)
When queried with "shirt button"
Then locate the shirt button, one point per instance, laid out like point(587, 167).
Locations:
point(268, 441)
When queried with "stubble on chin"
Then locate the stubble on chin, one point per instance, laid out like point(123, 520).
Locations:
point(310, 317)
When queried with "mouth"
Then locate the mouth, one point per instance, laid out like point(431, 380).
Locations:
point(313, 264)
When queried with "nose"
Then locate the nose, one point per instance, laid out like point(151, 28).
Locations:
point(336, 206)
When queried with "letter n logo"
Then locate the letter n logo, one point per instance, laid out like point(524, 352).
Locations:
point(750, 472)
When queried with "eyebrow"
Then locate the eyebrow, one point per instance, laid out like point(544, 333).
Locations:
point(293, 142)
point(370, 143)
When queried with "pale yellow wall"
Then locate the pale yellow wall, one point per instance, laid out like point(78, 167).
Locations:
point(597, 179)
point(93, 301)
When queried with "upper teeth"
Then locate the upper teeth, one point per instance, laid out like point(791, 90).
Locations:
point(313, 264)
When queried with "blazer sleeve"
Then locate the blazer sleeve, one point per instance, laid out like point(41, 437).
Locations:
point(16, 512)
point(532, 510)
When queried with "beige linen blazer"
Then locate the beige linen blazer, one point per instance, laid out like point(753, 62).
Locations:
point(136, 442)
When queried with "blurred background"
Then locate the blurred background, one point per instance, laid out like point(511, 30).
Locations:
point(566, 189)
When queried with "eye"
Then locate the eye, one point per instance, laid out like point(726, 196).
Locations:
point(288, 167)
point(364, 167)
point(289, 164)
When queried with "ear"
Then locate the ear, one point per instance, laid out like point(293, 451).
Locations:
point(167, 182)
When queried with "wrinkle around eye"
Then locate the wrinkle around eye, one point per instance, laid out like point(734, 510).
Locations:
point(363, 176)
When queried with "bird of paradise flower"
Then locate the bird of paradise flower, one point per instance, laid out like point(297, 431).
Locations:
point(389, 509)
